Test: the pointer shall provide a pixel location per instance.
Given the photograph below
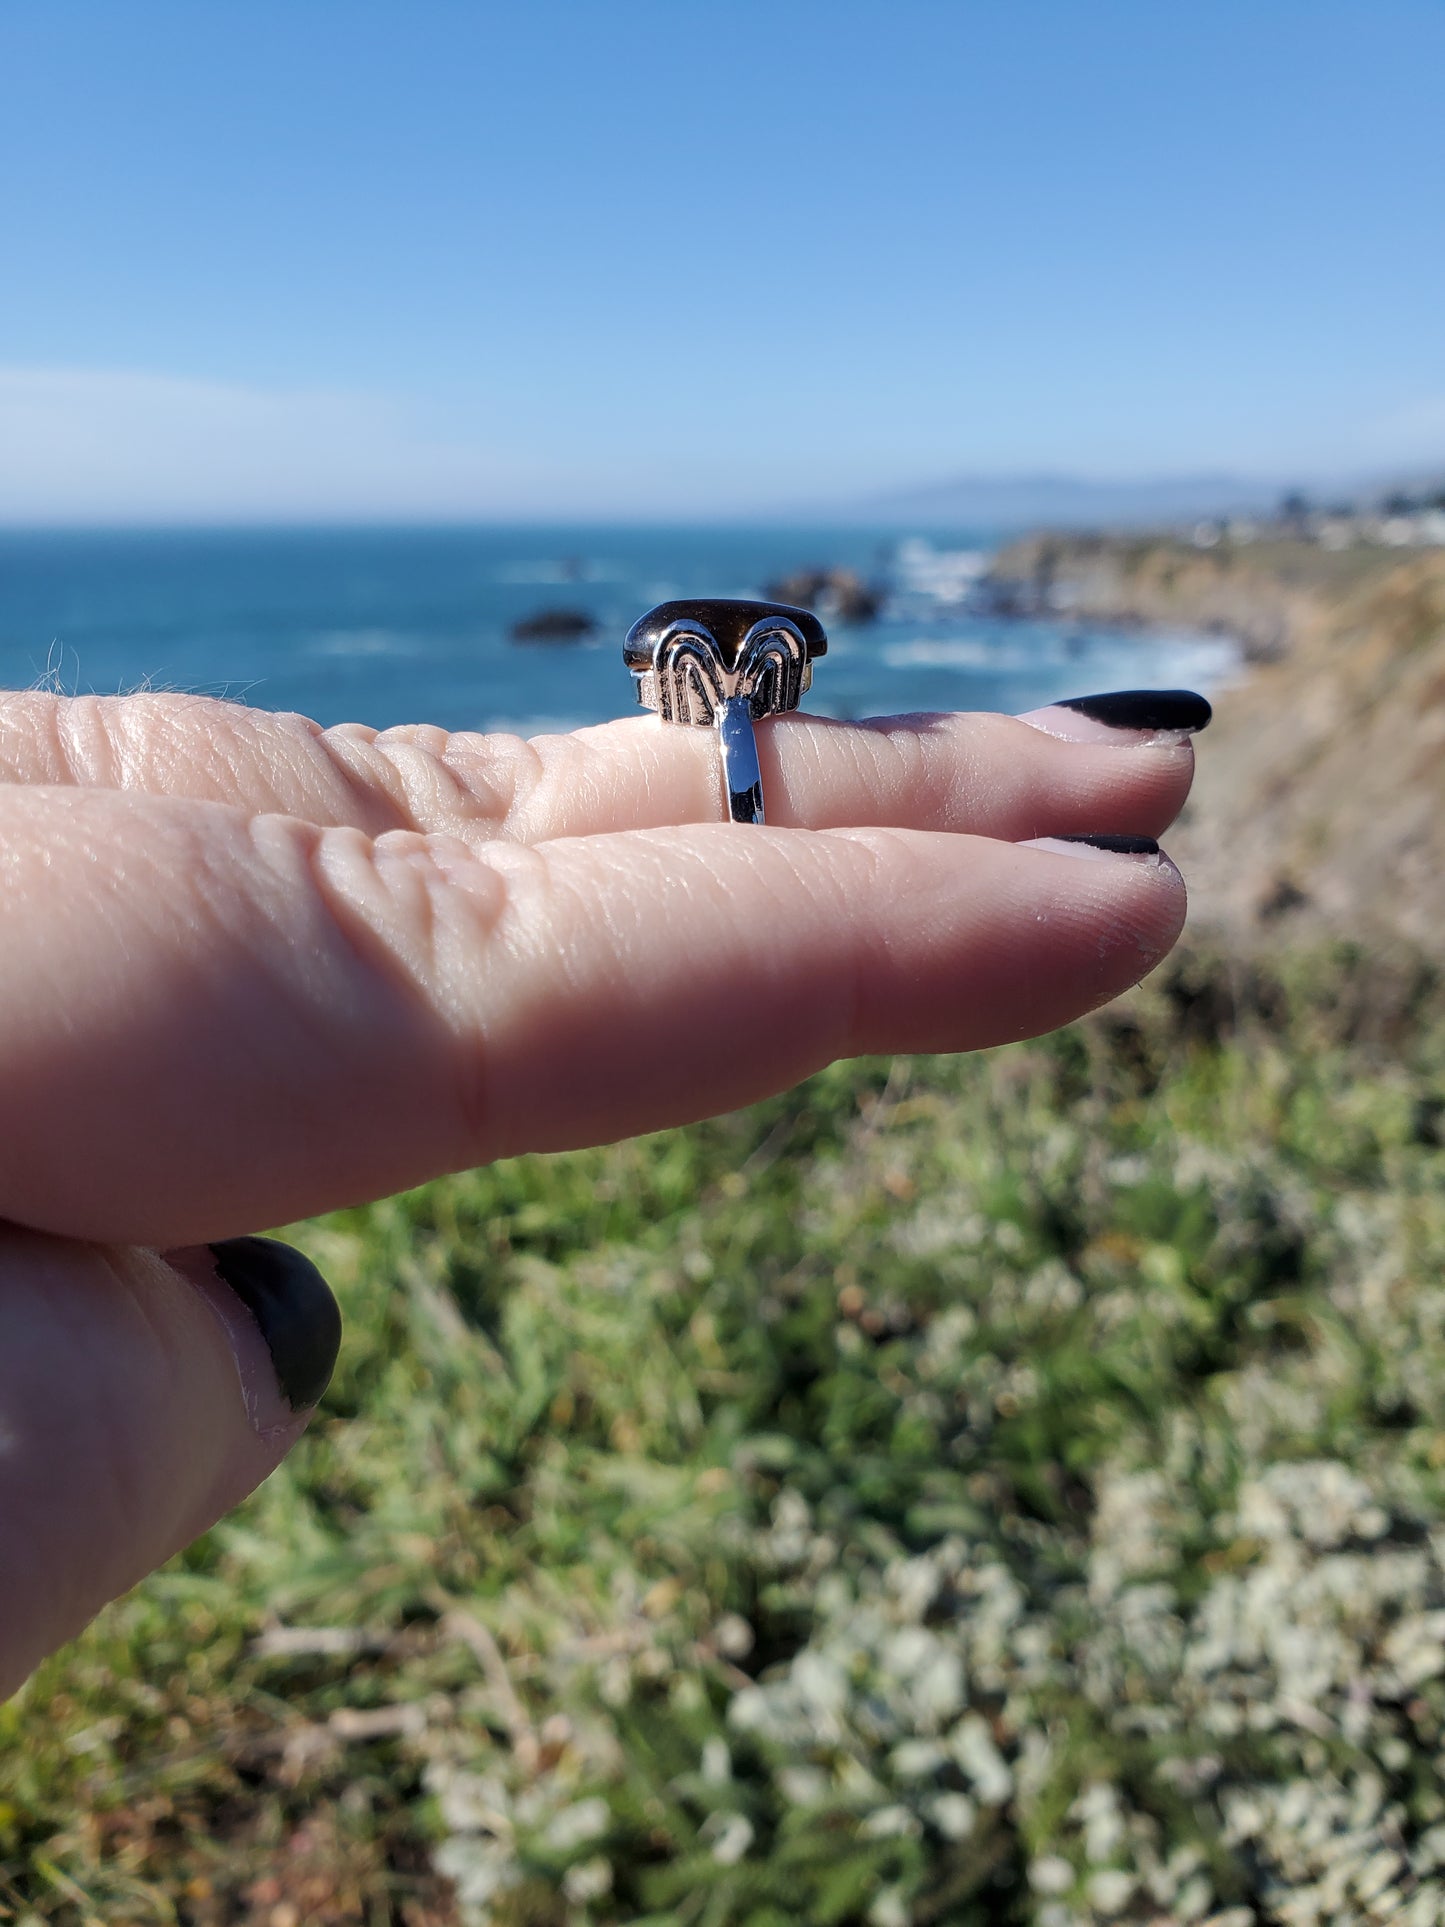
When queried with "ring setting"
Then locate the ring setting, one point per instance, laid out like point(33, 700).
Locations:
point(723, 664)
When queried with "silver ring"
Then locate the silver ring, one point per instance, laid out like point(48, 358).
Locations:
point(725, 665)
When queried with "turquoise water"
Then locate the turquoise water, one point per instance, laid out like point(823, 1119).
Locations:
point(395, 626)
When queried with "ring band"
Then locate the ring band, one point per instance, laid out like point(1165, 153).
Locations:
point(742, 776)
point(724, 664)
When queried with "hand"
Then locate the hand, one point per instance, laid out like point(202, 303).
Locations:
point(252, 970)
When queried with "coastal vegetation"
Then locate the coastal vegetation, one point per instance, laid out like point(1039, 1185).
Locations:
point(1002, 1489)
point(1006, 1489)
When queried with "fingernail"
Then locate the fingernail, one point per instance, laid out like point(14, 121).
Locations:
point(291, 1305)
point(1139, 715)
point(1095, 846)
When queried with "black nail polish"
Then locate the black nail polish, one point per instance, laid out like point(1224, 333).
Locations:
point(1144, 709)
point(292, 1304)
point(1120, 845)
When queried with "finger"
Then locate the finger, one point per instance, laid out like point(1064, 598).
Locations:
point(168, 744)
point(978, 773)
point(209, 1022)
point(140, 1399)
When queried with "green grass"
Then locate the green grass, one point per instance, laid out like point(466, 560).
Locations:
point(989, 1490)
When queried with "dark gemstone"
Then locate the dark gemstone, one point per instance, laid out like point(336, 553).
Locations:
point(726, 621)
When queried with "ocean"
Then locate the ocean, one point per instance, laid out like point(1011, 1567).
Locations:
point(413, 625)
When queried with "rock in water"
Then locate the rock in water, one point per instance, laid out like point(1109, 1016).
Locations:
point(840, 594)
point(554, 625)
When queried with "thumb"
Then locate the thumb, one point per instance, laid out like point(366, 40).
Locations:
point(141, 1397)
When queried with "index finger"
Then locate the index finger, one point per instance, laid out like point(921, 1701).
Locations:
point(986, 774)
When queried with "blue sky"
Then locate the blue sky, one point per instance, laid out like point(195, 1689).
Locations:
point(634, 259)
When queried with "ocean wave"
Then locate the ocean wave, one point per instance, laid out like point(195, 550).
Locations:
point(1145, 657)
point(926, 652)
point(1157, 659)
point(358, 642)
point(567, 571)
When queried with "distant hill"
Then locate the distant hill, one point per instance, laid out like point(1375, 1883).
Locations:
point(1069, 501)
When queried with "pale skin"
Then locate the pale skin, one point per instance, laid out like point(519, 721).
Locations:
point(252, 970)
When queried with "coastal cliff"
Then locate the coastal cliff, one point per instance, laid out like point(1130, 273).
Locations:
point(1319, 807)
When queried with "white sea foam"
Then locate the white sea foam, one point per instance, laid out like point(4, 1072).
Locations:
point(925, 652)
point(947, 576)
point(358, 642)
point(1113, 660)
